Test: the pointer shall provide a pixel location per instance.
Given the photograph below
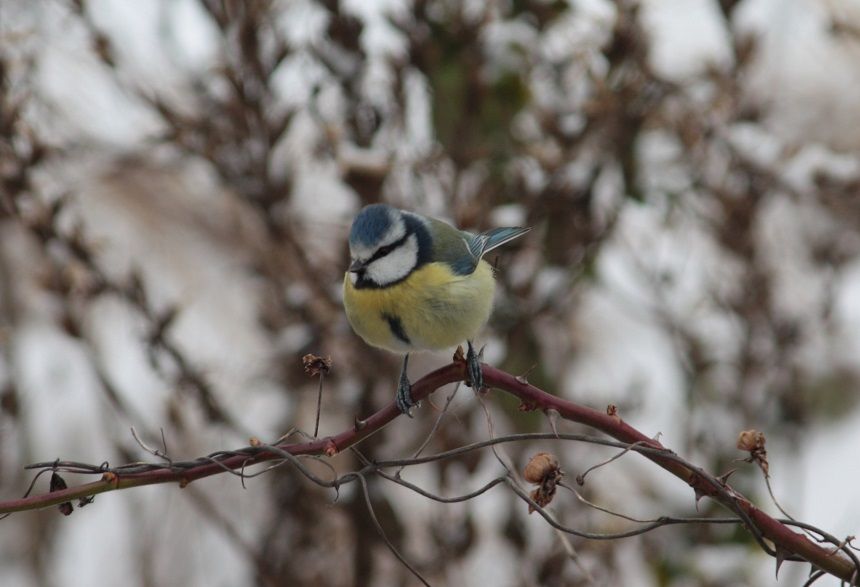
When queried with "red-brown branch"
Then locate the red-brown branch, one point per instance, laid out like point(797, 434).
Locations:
point(786, 541)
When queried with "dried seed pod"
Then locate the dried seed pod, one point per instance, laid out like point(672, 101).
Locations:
point(542, 495)
point(540, 466)
point(543, 470)
point(753, 441)
point(750, 440)
point(315, 365)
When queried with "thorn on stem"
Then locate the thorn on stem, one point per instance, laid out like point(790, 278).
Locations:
point(553, 415)
point(524, 377)
point(724, 478)
point(781, 555)
point(330, 448)
point(699, 492)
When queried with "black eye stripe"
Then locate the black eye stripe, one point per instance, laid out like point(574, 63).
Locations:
point(414, 227)
point(383, 251)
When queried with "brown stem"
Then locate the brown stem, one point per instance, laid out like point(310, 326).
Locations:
point(786, 541)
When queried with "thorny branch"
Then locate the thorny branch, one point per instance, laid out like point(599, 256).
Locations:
point(786, 544)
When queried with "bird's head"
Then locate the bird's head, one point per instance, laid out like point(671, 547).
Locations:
point(385, 246)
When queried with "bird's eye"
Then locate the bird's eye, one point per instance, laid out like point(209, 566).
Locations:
point(384, 250)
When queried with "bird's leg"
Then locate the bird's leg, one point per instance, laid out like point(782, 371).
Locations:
point(403, 400)
point(473, 368)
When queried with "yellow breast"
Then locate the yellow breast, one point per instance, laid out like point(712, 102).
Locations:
point(432, 309)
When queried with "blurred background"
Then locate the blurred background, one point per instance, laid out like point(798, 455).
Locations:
point(177, 179)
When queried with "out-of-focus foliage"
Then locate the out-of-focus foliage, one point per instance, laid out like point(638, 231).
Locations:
point(176, 182)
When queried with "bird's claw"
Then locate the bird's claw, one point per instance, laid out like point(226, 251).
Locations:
point(473, 369)
point(403, 400)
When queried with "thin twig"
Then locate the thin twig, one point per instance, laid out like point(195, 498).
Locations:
point(590, 504)
point(580, 479)
point(436, 423)
point(378, 526)
point(153, 451)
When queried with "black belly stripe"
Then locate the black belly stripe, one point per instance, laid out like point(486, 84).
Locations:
point(396, 327)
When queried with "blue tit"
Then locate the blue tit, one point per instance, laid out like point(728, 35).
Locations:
point(417, 283)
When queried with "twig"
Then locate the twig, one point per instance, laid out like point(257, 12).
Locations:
point(593, 505)
point(153, 451)
point(381, 532)
point(580, 479)
point(795, 546)
point(437, 421)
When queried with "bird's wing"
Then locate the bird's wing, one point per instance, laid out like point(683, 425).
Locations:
point(463, 250)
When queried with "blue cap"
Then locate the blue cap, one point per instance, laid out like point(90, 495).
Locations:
point(371, 224)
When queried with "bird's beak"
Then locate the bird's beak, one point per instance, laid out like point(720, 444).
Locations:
point(357, 266)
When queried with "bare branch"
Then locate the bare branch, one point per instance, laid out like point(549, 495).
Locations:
point(789, 545)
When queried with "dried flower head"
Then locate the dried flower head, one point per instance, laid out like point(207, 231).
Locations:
point(539, 466)
point(543, 470)
point(753, 441)
point(315, 365)
point(750, 440)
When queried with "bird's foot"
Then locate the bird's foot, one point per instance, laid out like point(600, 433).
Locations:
point(473, 369)
point(403, 400)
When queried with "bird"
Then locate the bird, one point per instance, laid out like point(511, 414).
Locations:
point(417, 283)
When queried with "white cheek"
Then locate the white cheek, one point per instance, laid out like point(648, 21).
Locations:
point(353, 277)
point(396, 265)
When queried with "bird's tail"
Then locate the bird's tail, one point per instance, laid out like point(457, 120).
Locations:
point(496, 237)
